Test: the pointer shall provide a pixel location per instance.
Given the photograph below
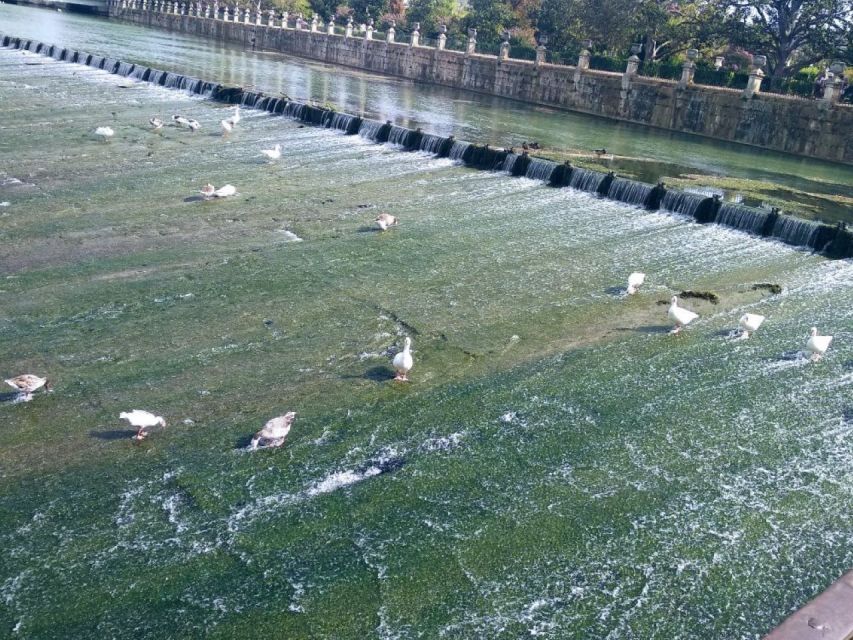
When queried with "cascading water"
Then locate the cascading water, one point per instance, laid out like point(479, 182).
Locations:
point(509, 163)
point(680, 202)
point(399, 136)
point(294, 110)
point(540, 169)
point(795, 232)
point(742, 218)
point(369, 129)
point(629, 191)
point(431, 143)
point(458, 150)
point(586, 179)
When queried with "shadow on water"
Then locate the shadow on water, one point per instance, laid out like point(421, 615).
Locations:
point(195, 199)
point(382, 373)
point(366, 229)
point(12, 396)
point(113, 434)
point(617, 292)
point(651, 328)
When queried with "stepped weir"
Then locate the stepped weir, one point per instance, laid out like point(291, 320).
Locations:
point(832, 241)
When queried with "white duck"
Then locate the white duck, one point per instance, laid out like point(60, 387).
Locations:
point(105, 133)
point(180, 121)
point(235, 117)
point(749, 323)
point(635, 281)
point(274, 431)
point(385, 220)
point(225, 191)
point(141, 420)
point(403, 361)
point(227, 126)
point(27, 383)
point(272, 154)
point(155, 122)
point(194, 125)
point(207, 190)
point(817, 345)
point(679, 315)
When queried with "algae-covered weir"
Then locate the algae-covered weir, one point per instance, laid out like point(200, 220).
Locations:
point(558, 465)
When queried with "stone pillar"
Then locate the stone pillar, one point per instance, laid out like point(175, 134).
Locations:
point(442, 37)
point(583, 60)
point(258, 20)
point(270, 17)
point(314, 24)
point(299, 22)
point(688, 69)
point(391, 32)
point(368, 35)
point(718, 62)
point(247, 16)
point(540, 55)
point(471, 47)
point(630, 71)
point(330, 27)
point(284, 18)
point(834, 83)
point(504, 52)
point(416, 35)
point(756, 75)
point(348, 29)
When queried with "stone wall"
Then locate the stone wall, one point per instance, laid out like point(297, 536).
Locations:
point(805, 127)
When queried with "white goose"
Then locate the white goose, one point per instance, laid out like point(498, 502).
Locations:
point(817, 345)
point(141, 420)
point(27, 383)
point(272, 154)
point(385, 220)
point(274, 431)
point(635, 281)
point(207, 190)
point(180, 121)
point(235, 117)
point(155, 122)
point(105, 133)
point(194, 125)
point(225, 191)
point(749, 323)
point(403, 361)
point(679, 315)
point(227, 126)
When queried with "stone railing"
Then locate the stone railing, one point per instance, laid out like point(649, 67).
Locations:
point(819, 129)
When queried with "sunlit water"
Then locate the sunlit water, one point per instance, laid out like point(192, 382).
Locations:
point(559, 467)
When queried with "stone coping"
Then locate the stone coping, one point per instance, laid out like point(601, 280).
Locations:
point(828, 617)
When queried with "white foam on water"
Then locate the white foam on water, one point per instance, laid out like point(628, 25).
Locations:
point(290, 236)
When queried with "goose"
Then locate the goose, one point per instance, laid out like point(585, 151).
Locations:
point(155, 122)
point(274, 431)
point(225, 191)
point(600, 152)
point(194, 125)
point(635, 280)
point(27, 383)
point(272, 154)
point(679, 315)
point(385, 220)
point(749, 323)
point(180, 121)
point(227, 126)
point(207, 190)
point(403, 361)
point(105, 133)
point(817, 345)
point(235, 117)
point(141, 420)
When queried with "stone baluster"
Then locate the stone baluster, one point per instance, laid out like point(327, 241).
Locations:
point(416, 35)
point(756, 75)
point(330, 27)
point(368, 35)
point(271, 17)
point(314, 24)
point(392, 31)
point(182, 9)
point(631, 69)
point(583, 60)
point(504, 51)
point(285, 17)
point(299, 22)
point(718, 62)
point(258, 18)
point(348, 29)
point(442, 36)
point(834, 83)
point(472, 42)
point(688, 69)
point(247, 16)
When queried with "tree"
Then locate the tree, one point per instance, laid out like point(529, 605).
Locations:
point(491, 18)
point(431, 14)
point(792, 33)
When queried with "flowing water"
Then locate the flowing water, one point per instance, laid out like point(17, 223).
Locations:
point(559, 466)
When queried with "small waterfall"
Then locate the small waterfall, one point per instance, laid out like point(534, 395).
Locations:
point(399, 136)
point(586, 179)
point(110, 65)
point(629, 191)
point(743, 218)
point(293, 110)
point(458, 150)
point(539, 169)
point(346, 123)
point(370, 129)
point(125, 68)
point(796, 232)
point(509, 163)
point(680, 202)
point(432, 143)
point(95, 61)
point(156, 76)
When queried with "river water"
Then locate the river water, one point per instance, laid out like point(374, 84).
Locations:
point(558, 467)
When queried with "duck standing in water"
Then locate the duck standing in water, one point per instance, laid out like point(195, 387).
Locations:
point(385, 220)
point(105, 133)
point(27, 383)
point(679, 315)
point(155, 123)
point(817, 345)
point(142, 420)
point(749, 323)
point(272, 154)
point(635, 281)
point(274, 431)
point(403, 361)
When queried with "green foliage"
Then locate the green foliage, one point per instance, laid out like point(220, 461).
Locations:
point(431, 14)
point(491, 18)
point(364, 9)
point(293, 6)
